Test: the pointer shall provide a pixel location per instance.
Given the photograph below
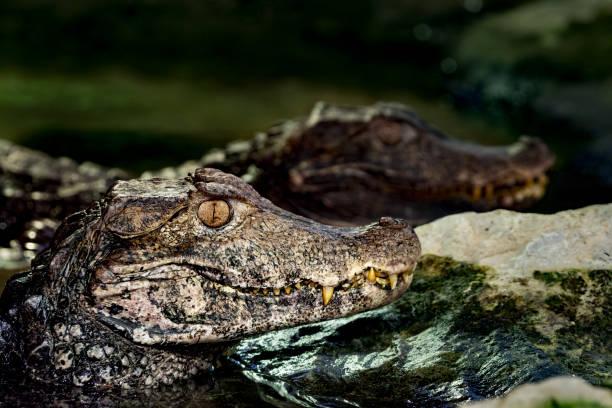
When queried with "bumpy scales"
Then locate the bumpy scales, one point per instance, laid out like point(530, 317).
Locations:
point(147, 285)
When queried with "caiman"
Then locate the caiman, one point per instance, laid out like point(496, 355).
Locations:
point(340, 166)
point(147, 285)
point(36, 193)
point(344, 165)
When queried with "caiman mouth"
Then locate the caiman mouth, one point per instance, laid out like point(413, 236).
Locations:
point(382, 279)
point(214, 279)
point(504, 193)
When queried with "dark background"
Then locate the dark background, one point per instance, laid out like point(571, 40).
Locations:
point(143, 84)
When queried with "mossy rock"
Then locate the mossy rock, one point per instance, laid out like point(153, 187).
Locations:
point(452, 337)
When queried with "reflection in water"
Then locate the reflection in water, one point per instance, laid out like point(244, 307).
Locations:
point(5, 274)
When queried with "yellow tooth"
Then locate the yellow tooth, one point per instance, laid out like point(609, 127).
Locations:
point(328, 292)
point(393, 280)
point(529, 182)
point(298, 286)
point(476, 192)
point(265, 291)
point(489, 191)
point(255, 291)
point(371, 275)
point(276, 292)
point(287, 290)
point(406, 276)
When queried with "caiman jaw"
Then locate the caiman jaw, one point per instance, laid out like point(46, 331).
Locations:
point(508, 192)
point(505, 193)
point(369, 275)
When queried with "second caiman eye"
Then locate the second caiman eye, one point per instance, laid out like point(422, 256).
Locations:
point(215, 213)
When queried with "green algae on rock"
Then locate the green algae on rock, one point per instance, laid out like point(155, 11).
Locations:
point(472, 326)
point(461, 349)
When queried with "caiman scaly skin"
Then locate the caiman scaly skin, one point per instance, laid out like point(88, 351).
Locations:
point(36, 192)
point(149, 284)
point(385, 158)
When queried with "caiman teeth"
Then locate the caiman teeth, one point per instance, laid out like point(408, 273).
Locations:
point(506, 192)
point(328, 292)
point(371, 276)
point(392, 280)
point(476, 192)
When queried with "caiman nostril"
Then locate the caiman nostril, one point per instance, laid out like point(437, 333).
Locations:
point(393, 222)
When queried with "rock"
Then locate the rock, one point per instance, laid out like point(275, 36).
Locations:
point(498, 300)
point(516, 244)
point(555, 391)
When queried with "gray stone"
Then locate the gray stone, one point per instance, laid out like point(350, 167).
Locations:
point(561, 390)
point(498, 300)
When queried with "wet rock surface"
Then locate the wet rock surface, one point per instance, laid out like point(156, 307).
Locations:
point(464, 331)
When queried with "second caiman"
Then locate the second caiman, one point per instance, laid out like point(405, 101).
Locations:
point(340, 166)
point(346, 165)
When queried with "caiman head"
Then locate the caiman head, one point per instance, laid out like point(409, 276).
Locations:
point(389, 161)
point(207, 259)
point(145, 286)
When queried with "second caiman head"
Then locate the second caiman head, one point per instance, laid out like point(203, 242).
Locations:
point(179, 263)
point(346, 165)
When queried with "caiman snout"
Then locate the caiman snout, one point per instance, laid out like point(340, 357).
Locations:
point(390, 246)
point(532, 154)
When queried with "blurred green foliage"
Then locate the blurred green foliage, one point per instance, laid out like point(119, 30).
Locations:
point(148, 83)
point(238, 40)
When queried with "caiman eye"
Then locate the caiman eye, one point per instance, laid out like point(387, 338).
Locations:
point(390, 135)
point(215, 213)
